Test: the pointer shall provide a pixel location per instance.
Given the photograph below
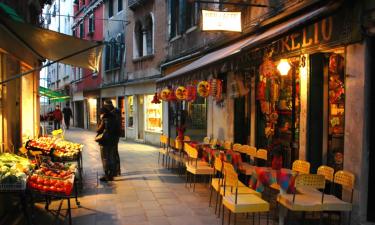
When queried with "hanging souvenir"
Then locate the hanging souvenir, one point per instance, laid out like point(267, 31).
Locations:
point(267, 68)
point(219, 91)
point(191, 93)
point(274, 91)
point(172, 96)
point(265, 107)
point(213, 89)
point(203, 88)
point(164, 94)
point(155, 100)
point(181, 93)
point(242, 90)
point(261, 90)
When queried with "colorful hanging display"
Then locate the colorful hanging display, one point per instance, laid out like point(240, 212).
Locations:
point(267, 68)
point(181, 93)
point(165, 93)
point(219, 90)
point(191, 93)
point(156, 100)
point(203, 89)
point(172, 96)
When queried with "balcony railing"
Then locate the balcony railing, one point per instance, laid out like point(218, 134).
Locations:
point(133, 4)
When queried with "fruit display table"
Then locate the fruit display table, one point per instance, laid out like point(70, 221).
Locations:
point(59, 150)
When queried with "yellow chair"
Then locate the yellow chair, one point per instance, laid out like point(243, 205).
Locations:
point(303, 202)
point(227, 145)
point(216, 182)
point(187, 138)
point(206, 140)
point(171, 149)
point(176, 155)
point(248, 168)
point(163, 148)
point(236, 146)
point(333, 203)
point(327, 172)
point(192, 165)
point(301, 166)
point(261, 157)
point(240, 203)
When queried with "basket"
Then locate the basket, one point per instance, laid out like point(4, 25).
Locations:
point(19, 186)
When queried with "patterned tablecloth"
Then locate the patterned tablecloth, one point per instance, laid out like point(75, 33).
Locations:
point(266, 176)
point(230, 156)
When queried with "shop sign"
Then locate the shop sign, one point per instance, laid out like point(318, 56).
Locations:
point(331, 31)
point(224, 21)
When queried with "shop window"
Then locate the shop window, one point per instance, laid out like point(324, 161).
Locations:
point(92, 111)
point(138, 40)
point(278, 108)
point(130, 110)
point(153, 115)
point(110, 8)
point(336, 111)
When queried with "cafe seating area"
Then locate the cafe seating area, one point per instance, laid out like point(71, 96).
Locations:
point(241, 179)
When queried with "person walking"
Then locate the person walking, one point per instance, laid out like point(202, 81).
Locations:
point(109, 130)
point(57, 118)
point(67, 115)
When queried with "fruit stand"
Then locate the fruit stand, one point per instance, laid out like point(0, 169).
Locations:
point(42, 177)
point(59, 150)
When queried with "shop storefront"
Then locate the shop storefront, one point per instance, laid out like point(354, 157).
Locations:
point(143, 119)
point(92, 109)
point(299, 84)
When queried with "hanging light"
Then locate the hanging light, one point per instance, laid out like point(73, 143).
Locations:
point(283, 67)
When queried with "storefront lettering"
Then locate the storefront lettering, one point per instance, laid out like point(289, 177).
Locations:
point(315, 34)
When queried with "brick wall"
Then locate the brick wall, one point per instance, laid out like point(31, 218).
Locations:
point(147, 66)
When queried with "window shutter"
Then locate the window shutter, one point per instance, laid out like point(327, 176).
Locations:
point(171, 18)
point(182, 16)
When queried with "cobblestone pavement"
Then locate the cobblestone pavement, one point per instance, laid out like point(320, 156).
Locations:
point(145, 194)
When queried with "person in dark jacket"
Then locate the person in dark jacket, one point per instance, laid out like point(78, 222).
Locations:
point(67, 115)
point(109, 145)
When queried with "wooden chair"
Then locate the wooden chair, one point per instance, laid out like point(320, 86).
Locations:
point(261, 157)
point(171, 149)
point(240, 203)
point(187, 138)
point(192, 165)
point(163, 148)
point(303, 202)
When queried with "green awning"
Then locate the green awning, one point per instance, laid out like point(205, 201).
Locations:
point(10, 12)
point(53, 95)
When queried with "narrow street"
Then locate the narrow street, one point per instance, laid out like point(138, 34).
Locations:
point(145, 194)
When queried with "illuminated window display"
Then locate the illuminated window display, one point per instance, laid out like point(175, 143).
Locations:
point(93, 111)
point(130, 111)
point(153, 115)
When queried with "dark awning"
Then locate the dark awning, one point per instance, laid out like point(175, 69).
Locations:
point(52, 45)
point(250, 42)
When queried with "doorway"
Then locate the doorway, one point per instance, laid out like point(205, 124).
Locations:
point(240, 121)
point(140, 107)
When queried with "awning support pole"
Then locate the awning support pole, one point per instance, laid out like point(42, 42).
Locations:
point(48, 64)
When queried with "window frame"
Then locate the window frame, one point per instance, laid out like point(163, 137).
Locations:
point(92, 23)
point(82, 29)
point(118, 6)
point(110, 9)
